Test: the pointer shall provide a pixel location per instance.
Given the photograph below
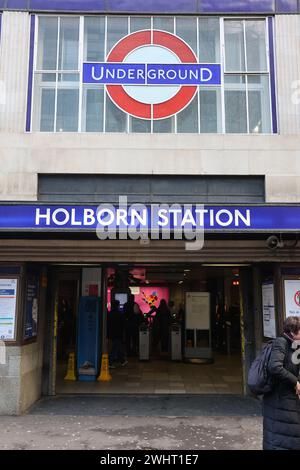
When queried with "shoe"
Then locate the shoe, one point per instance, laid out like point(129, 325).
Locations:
point(124, 363)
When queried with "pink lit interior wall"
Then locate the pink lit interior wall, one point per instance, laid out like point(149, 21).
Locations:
point(147, 296)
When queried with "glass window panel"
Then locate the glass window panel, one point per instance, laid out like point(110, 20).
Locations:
point(259, 104)
point(210, 110)
point(164, 125)
point(139, 22)
point(235, 104)
point(67, 93)
point(116, 120)
point(92, 116)
point(47, 43)
point(256, 45)
point(68, 43)
point(235, 80)
point(117, 28)
point(67, 103)
point(209, 40)
point(47, 110)
point(140, 125)
point(187, 120)
point(164, 23)
point(44, 102)
point(186, 28)
point(94, 31)
point(234, 45)
point(68, 78)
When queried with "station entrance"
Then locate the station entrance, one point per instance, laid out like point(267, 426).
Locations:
point(167, 329)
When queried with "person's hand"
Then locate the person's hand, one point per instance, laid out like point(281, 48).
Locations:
point(298, 388)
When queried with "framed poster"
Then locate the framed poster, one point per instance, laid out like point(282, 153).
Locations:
point(91, 282)
point(197, 311)
point(292, 297)
point(197, 334)
point(31, 304)
point(8, 306)
point(268, 306)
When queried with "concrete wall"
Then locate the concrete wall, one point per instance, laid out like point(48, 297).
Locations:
point(23, 156)
point(287, 42)
point(20, 378)
point(10, 381)
point(30, 375)
point(14, 56)
point(21, 367)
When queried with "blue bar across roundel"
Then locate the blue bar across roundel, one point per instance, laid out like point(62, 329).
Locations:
point(151, 74)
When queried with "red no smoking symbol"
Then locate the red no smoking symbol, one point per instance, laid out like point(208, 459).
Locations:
point(297, 298)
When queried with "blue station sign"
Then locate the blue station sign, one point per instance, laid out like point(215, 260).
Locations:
point(217, 218)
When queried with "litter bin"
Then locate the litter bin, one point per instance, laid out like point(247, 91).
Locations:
point(144, 342)
point(176, 354)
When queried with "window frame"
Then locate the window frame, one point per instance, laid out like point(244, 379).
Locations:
point(221, 120)
point(245, 73)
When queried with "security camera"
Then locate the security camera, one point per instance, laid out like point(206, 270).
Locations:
point(274, 242)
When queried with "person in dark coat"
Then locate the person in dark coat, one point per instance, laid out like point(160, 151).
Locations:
point(133, 317)
point(281, 407)
point(163, 317)
point(116, 333)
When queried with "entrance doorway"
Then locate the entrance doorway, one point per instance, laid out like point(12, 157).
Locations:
point(204, 360)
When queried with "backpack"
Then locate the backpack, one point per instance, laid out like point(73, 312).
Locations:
point(260, 381)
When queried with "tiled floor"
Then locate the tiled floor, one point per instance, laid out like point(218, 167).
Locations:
point(224, 376)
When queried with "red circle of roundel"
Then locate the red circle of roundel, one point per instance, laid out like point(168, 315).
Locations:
point(144, 110)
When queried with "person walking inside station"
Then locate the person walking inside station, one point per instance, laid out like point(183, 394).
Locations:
point(116, 333)
point(163, 317)
point(133, 318)
point(281, 406)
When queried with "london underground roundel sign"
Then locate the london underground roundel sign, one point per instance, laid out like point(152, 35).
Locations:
point(152, 74)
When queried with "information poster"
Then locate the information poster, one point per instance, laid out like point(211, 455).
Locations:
point(91, 281)
point(8, 303)
point(31, 313)
point(268, 304)
point(292, 297)
point(197, 311)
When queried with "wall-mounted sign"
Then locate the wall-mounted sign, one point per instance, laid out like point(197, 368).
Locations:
point(230, 218)
point(31, 310)
point(292, 297)
point(152, 74)
point(91, 282)
point(8, 304)
point(197, 314)
point(268, 305)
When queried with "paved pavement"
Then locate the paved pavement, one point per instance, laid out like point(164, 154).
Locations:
point(136, 422)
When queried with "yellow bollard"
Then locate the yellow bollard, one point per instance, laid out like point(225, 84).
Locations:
point(71, 368)
point(104, 375)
